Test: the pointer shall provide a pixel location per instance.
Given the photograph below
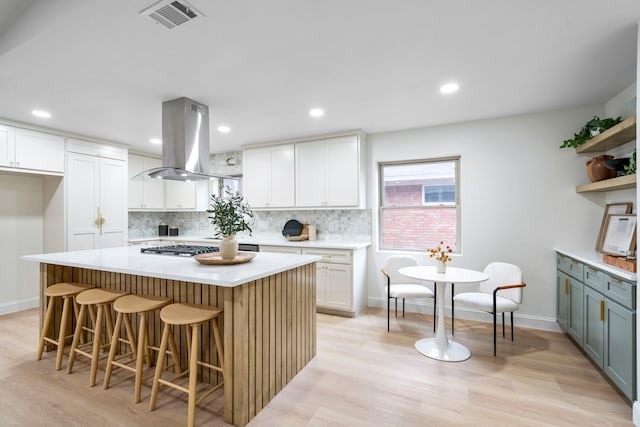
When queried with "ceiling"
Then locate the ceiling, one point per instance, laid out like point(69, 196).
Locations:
point(103, 70)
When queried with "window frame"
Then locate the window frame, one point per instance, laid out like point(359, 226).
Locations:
point(457, 204)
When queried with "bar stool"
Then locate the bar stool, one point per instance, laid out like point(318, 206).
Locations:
point(192, 316)
point(141, 306)
point(102, 298)
point(67, 291)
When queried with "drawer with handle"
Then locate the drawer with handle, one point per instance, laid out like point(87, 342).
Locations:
point(621, 291)
point(337, 256)
point(570, 266)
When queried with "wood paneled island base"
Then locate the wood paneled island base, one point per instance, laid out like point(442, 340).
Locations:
point(269, 327)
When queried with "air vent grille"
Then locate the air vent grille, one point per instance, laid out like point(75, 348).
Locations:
point(171, 13)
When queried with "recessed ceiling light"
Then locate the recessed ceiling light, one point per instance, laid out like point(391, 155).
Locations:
point(41, 113)
point(224, 129)
point(316, 112)
point(449, 87)
point(155, 141)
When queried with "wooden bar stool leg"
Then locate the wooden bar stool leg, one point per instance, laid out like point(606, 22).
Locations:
point(112, 351)
point(130, 336)
point(142, 342)
point(63, 331)
point(148, 355)
point(174, 352)
point(76, 338)
point(97, 337)
point(159, 366)
point(45, 327)
point(193, 373)
point(218, 338)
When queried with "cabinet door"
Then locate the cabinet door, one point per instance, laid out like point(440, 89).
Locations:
point(7, 146)
point(562, 309)
point(255, 173)
point(594, 325)
point(619, 354)
point(112, 203)
point(342, 172)
point(575, 326)
point(338, 287)
point(310, 173)
point(180, 195)
point(153, 189)
point(321, 274)
point(282, 176)
point(82, 186)
point(39, 151)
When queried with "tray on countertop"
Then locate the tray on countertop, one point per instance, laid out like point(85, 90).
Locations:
point(216, 259)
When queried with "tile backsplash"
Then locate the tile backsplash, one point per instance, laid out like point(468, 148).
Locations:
point(351, 224)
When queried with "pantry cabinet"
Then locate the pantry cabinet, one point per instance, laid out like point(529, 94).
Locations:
point(328, 172)
point(31, 151)
point(597, 309)
point(96, 188)
point(268, 176)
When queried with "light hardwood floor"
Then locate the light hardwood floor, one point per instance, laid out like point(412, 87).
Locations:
point(361, 376)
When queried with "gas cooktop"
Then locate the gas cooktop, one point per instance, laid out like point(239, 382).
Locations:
point(180, 250)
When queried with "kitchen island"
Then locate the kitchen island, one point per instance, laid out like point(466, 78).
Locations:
point(268, 320)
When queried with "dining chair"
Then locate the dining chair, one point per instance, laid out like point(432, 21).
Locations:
point(505, 279)
point(399, 286)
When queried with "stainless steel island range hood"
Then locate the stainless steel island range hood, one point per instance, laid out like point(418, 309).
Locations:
point(185, 142)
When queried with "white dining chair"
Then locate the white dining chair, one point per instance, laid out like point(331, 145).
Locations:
point(399, 286)
point(505, 279)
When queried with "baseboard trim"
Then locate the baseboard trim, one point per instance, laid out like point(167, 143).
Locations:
point(636, 413)
point(523, 320)
point(20, 305)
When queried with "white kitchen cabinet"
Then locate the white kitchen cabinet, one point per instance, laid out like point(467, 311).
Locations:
point(280, 249)
point(328, 173)
point(179, 195)
point(340, 280)
point(268, 176)
point(144, 194)
point(96, 202)
point(29, 150)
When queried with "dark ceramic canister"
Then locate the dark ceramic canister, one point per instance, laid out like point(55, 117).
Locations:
point(163, 230)
point(173, 231)
point(597, 170)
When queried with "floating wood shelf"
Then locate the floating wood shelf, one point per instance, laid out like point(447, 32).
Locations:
point(619, 183)
point(613, 137)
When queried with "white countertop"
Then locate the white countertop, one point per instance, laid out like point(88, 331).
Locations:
point(271, 241)
point(129, 260)
point(594, 259)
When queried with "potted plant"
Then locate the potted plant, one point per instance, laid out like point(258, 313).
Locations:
point(589, 130)
point(230, 215)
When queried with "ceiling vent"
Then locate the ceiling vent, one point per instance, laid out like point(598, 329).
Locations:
point(171, 13)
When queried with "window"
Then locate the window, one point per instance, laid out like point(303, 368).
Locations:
point(419, 204)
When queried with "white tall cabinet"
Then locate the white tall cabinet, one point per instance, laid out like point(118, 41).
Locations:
point(268, 176)
point(328, 172)
point(96, 188)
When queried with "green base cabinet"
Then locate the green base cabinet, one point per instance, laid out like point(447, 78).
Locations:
point(597, 310)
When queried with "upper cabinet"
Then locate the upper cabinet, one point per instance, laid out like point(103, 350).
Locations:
point(310, 173)
point(31, 151)
point(328, 173)
point(144, 194)
point(268, 176)
point(613, 137)
point(179, 195)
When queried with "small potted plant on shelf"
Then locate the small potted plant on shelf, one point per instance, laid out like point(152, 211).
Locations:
point(441, 255)
point(230, 215)
point(590, 129)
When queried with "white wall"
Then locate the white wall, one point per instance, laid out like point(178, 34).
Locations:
point(517, 193)
point(21, 230)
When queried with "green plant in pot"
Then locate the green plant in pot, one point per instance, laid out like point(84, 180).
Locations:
point(589, 130)
point(230, 215)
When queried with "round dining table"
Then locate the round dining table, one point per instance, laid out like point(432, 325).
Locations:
point(440, 347)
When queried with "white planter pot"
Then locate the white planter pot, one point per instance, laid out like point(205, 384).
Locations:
point(229, 247)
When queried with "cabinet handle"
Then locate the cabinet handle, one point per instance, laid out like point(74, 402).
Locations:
point(566, 286)
point(99, 221)
point(602, 310)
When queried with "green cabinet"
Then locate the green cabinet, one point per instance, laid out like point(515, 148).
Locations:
point(597, 310)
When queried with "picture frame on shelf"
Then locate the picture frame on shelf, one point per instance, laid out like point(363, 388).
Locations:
point(620, 235)
point(609, 209)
